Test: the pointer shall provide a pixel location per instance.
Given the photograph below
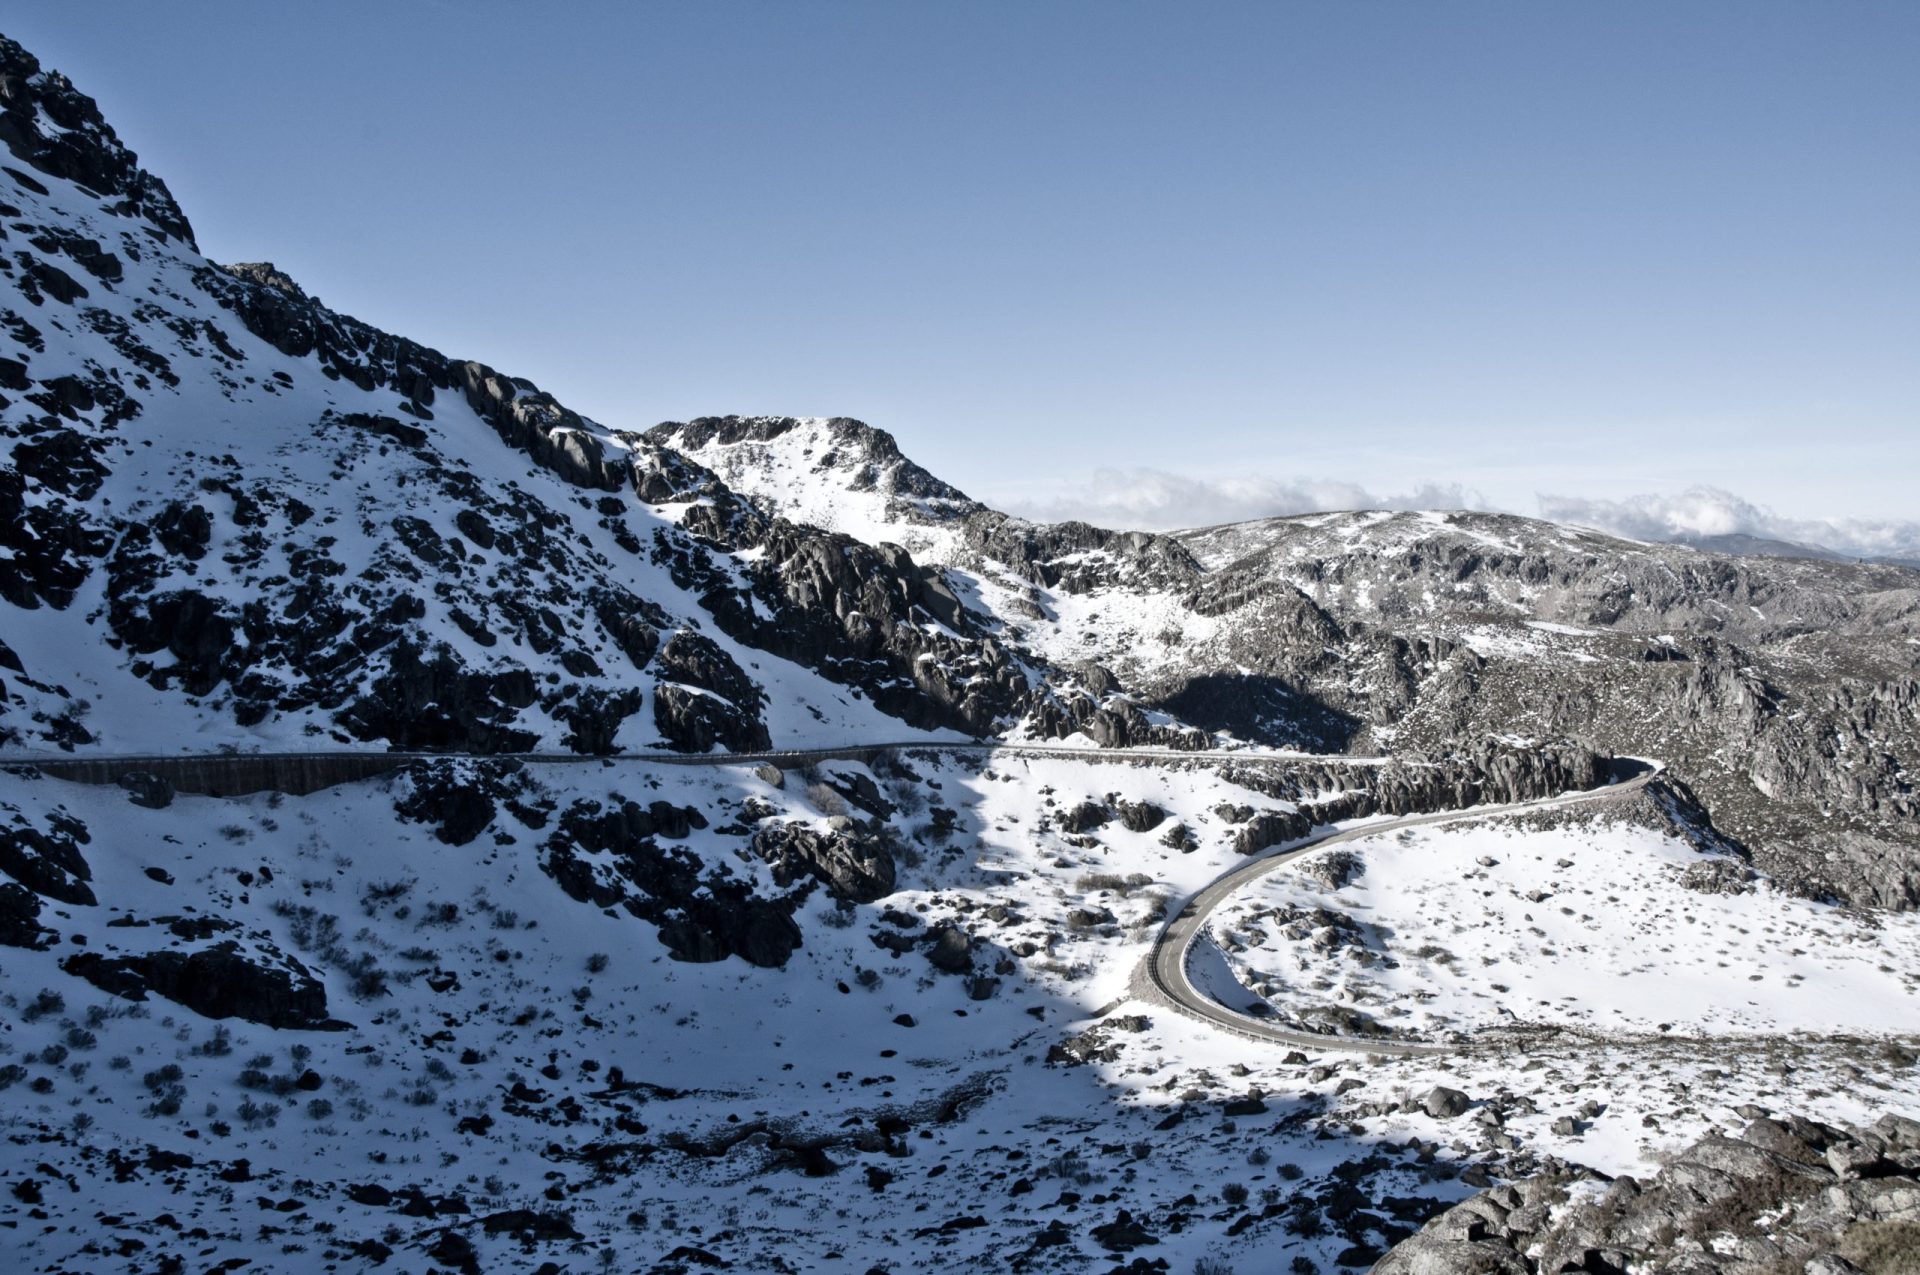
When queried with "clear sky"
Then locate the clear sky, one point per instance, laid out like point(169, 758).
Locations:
point(1596, 250)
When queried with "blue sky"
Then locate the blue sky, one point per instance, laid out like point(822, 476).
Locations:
point(1216, 251)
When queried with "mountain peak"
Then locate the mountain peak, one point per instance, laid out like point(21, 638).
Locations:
point(51, 126)
point(870, 455)
point(831, 471)
point(267, 275)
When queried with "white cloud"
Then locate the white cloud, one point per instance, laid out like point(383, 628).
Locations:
point(1709, 511)
point(1157, 500)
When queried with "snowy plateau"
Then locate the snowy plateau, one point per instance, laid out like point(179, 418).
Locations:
point(439, 831)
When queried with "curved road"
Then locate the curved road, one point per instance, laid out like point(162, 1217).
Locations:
point(1164, 975)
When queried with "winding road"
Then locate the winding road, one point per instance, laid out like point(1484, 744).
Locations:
point(1164, 977)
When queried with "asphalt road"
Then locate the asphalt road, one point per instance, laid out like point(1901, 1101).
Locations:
point(1164, 977)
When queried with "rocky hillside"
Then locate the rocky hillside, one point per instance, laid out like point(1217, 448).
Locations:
point(1786, 691)
point(1786, 1194)
point(234, 517)
point(606, 1008)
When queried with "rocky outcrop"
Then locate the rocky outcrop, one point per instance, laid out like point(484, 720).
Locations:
point(865, 615)
point(867, 459)
point(20, 919)
point(1084, 816)
point(1490, 773)
point(1787, 1194)
point(431, 701)
point(703, 698)
point(611, 856)
point(1076, 557)
point(47, 860)
point(459, 798)
point(1781, 690)
point(220, 981)
point(79, 146)
point(854, 860)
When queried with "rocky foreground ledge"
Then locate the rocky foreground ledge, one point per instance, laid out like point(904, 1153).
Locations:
point(1789, 1196)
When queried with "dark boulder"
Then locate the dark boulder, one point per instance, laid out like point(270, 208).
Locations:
point(1123, 1234)
point(1139, 816)
point(19, 919)
point(49, 862)
point(1270, 828)
point(853, 860)
point(950, 950)
point(184, 529)
point(219, 982)
point(1084, 817)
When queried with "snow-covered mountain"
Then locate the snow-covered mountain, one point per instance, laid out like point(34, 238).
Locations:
point(884, 1001)
point(1784, 689)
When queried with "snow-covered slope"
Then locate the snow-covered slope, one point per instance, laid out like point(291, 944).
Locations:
point(834, 473)
point(794, 1021)
point(1786, 691)
point(233, 518)
point(887, 1014)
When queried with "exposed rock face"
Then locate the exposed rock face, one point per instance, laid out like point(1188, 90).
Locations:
point(1076, 557)
point(697, 661)
point(864, 615)
point(82, 146)
point(442, 610)
point(611, 856)
point(1324, 792)
point(1787, 1194)
point(1398, 622)
point(853, 860)
point(47, 861)
point(20, 918)
point(869, 457)
point(220, 981)
point(459, 798)
point(691, 722)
